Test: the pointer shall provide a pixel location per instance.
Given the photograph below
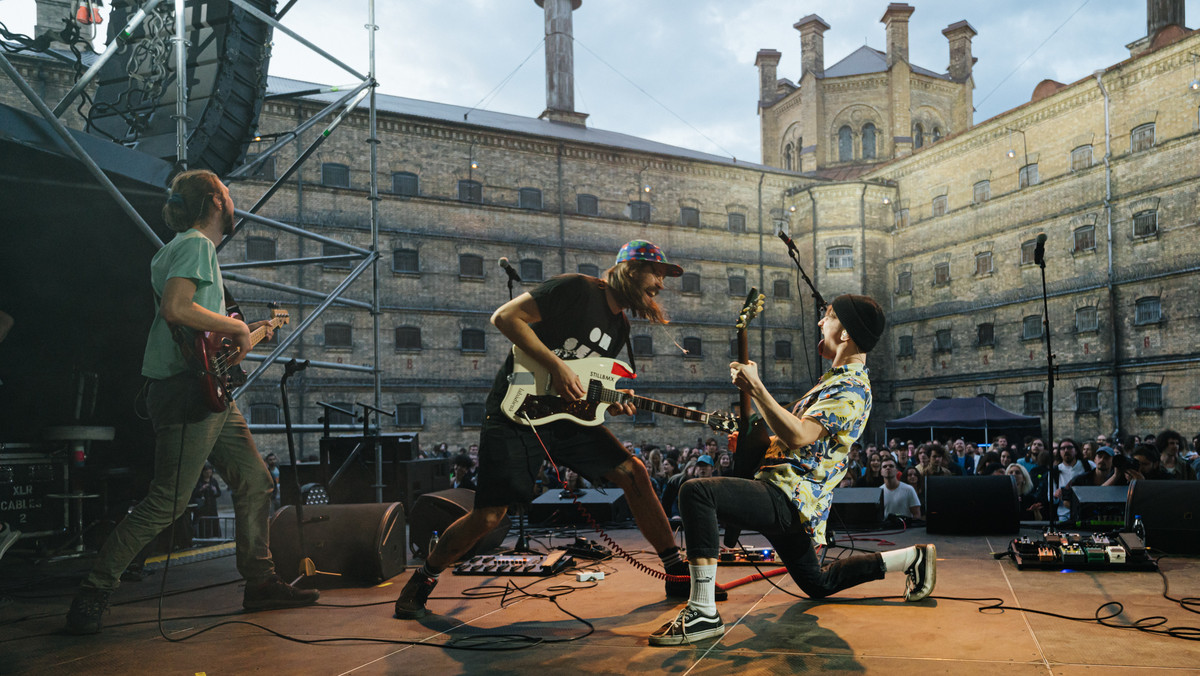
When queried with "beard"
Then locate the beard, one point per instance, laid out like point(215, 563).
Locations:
point(626, 282)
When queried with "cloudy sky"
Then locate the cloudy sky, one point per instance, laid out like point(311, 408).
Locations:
point(681, 71)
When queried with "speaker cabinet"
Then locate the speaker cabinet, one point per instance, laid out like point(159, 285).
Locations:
point(856, 508)
point(350, 475)
point(971, 505)
point(357, 544)
point(436, 511)
point(555, 507)
point(1170, 513)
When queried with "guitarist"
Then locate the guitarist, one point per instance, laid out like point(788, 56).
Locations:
point(186, 278)
point(788, 500)
point(568, 317)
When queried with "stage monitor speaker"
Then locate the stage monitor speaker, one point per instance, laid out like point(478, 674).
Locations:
point(1102, 507)
point(555, 507)
point(1170, 513)
point(355, 544)
point(436, 511)
point(971, 505)
point(856, 508)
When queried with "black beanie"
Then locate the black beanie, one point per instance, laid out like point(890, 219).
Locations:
point(862, 317)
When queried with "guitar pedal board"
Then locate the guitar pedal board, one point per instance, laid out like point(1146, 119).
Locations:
point(759, 556)
point(522, 565)
point(1057, 550)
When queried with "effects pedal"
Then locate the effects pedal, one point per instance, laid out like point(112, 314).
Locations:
point(585, 549)
point(520, 565)
point(759, 556)
point(1075, 551)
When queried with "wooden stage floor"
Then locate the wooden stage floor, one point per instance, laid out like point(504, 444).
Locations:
point(868, 629)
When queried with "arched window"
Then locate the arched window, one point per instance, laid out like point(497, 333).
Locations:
point(787, 157)
point(937, 134)
point(845, 144)
point(868, 141)
point(918, 136)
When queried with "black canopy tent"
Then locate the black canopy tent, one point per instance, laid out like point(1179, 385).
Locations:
point(975, 419)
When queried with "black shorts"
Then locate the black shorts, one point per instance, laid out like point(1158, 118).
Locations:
point(510, 457)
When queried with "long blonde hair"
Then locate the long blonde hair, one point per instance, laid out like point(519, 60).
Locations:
point(188, 198)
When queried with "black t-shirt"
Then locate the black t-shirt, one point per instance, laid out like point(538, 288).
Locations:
point(576, 323)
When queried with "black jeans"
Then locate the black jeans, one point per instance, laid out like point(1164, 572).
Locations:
point(761, 506)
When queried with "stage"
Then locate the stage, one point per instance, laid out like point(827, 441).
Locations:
point(868, 629)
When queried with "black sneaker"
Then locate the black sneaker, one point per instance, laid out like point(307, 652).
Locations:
point(683, 588)
point(273, 593)
point(410, 605)
point(86, 615)
point(921, 574)
point(689, 626)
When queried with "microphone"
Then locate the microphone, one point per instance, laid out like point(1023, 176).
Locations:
point(1039, 253)
point(788, 241)
point(512, 274)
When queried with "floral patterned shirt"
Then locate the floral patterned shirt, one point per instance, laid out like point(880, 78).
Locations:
point(810, 473)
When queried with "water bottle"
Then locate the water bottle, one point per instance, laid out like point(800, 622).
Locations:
point(433, 540)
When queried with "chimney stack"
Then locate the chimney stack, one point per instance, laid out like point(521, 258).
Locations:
point(767, 62)
point(560, 62)
point(812, 44)
point(51, 15)
point(896, 20)
point(959, 35)
point(1163, 13)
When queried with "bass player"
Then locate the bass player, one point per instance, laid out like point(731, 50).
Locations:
point(568, 317)
point(186, 277)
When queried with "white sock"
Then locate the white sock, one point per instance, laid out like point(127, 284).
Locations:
point(898, 560)
point(704, 588)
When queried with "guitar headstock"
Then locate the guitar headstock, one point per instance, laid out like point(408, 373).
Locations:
point(722, 421)
point(279, 317)
point(750, 309)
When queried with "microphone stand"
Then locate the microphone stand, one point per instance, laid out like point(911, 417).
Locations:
point(1050, 369)
point(793, 252)
point(289, 369)
point(521, 546)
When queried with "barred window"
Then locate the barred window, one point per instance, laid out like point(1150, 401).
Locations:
point(529, 198)
point(1085, 319)
point(406, 260)
point(690, 282)
point(1148, 311)
point(472, 415)
point(904, 282)
point(470, 265)
point(689, 217)
point(589, 269)
point(408, 338)
point(941, 274)
point(1087, 400)
point(1028, 175)
point(783, 349)
point(693, 347)
point(939, 205)
point(982, 192)
point(338, 335)
point(328, 249)
point(1085, 238)
point(902, 218)
point(1031, 327)
point(983, 263)
point(260, 249)
point(1149, 397)
point(335, 175)
point(1081, 158)
point(840, 258)
point(409, 415)
point(643, 346)
point(339, 418)
point(264, 414)
point(263, 170)
point(942, 341)
point(905, 348)
point(639, 211)
point(643, 417)
point(781, 288)
point(470, 191)
point(737, 285)
point(1141, 138)
point(904, 407)
point(531, 270)
point(737, 222)
point(473, 340)
point(1034, 403)
point(587, 205)
point(1145, 223)
point(1028, 251)
point(985, 334)
point(405, 184)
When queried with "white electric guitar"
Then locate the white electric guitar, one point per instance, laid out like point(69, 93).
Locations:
point(532, 399)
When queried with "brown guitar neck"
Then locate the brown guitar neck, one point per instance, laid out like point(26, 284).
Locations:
point(743, 347)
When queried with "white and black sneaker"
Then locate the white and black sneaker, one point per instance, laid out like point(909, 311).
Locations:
point(921, 574)
point(689, 626)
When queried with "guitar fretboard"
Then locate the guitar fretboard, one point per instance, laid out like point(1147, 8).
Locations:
point(257, 335)
point(615, 397)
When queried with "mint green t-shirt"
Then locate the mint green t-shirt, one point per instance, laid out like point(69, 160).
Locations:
point(192, 256)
